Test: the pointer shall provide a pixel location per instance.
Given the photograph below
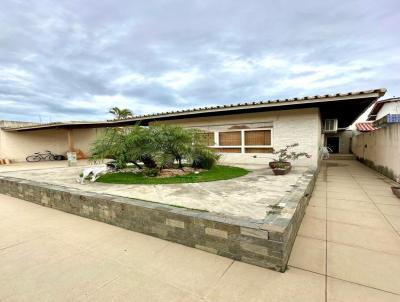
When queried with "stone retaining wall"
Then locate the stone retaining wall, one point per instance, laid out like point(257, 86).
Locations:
point(265, 242)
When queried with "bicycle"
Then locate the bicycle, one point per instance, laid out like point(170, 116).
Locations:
point(37, 156)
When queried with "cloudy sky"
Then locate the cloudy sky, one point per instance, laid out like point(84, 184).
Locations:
point(74, 59)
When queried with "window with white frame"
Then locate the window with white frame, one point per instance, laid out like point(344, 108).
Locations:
point(241, 141)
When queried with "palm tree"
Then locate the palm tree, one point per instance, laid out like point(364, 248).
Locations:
point(120, 114)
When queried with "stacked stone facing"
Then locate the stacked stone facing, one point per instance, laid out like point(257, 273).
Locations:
point(265, 242)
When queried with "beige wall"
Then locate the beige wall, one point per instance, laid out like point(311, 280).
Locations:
point(16, 146)
point(382, 150)
point(289, 126)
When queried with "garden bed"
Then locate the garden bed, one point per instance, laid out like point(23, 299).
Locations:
point(192, 176)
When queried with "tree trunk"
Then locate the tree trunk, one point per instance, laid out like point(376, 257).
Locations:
point(137, 165)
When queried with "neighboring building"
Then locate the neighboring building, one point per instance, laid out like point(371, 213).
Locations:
point(242, 133)
point(377, 142)
point(382, 108)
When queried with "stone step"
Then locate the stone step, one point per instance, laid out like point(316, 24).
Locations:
point(342, 156)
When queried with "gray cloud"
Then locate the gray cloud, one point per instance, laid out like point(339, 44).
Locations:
point(70, 60)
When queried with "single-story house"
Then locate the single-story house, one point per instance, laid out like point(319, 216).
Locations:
point(242, 133)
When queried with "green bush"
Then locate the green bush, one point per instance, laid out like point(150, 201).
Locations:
point(151, 172)
point(204, 159)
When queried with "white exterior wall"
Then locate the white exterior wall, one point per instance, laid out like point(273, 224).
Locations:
point(16, 146)
point(383, 149)
point(288, 126)
point(389, 108)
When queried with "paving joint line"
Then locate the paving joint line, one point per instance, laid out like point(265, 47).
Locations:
point(379, 210)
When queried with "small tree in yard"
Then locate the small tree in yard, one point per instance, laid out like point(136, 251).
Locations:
point(124, 147)
point(172, 143)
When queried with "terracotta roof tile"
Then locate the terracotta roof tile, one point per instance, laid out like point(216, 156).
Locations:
point(365, 127)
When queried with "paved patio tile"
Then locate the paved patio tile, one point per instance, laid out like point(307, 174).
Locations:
point(379, 192)
point(15, 235)
point(372, 220)
point(375, 239)
point(320, 187)
point(332, 186)
point(339, 290)
point(134, 250)
point(72, 233)
point(332, 180)
point(370, 268)
point(372, 185)
point(139, 287)
point(250, 283)
point(318, 194)
point(16, 260)
point(309, 254)
point(317, 203)
point(346, 190)
point(385, 199)
point(190, 269)
point(66, 280)
point(394, 221)
point(387, 209)
point(349, 196)
point(313, 227)
point(352, 205)
point(316, 212)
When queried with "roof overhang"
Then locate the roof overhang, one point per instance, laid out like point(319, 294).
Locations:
point(354, 104)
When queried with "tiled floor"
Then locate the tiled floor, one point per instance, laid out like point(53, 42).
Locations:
point(351, 234)
point(348, 249)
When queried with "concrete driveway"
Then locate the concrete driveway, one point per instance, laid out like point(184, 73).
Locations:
point(348, 249)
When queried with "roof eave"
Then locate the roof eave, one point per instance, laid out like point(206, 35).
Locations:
point(282, 103)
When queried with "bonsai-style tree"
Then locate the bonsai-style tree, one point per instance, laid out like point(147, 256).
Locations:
point(120, 114)
point(284, 155)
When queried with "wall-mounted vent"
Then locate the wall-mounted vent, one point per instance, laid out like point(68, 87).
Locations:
point(330, 125)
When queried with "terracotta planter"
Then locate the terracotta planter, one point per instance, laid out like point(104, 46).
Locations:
point(396, 191)
point(272, 164)
point(282, 171)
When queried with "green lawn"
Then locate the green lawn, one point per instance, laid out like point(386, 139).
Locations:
point(216, 173)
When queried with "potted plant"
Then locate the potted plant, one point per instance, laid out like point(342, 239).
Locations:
point(281, 168)
point(284, 156)
point(396, 191)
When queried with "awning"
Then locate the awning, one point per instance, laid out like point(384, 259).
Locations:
point(365, 127)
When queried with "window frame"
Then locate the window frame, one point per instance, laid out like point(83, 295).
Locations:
point(242, 147)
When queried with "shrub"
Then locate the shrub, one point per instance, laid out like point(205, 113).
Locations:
point(151, 172)
point(204, 159)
